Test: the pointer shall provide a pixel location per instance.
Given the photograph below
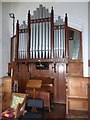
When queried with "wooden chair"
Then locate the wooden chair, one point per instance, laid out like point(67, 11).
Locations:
point(13, 104)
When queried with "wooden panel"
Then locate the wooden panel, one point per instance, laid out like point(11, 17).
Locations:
point(60, 87)
point(6, 84)
point(23, 77)
point(76, 104)
point(20, 74)
point(59, 79)
point(77, 93)
point(23, 72)
point(15, 71)
point(89, 101)
point(6, 100)
point(77, 84)
point(41, 73)
point(75, 69)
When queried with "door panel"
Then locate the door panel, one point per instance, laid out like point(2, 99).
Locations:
point(60, 83)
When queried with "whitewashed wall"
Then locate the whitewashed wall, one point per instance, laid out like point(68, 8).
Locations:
point(77, 13)
point(5, 38)
point(0, 41)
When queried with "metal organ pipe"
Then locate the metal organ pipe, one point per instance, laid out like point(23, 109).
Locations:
point(59, 35)
point(40, 33)
point(28, 34)
point(37, 34)
point(46, 38)
point(32, 39)
point(49, 37)
point(44, 33)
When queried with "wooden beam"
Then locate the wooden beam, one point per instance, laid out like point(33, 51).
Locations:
point(29, 35)
point(17, 39)
point(66, 38)
point(88, 63)
point(52, 33)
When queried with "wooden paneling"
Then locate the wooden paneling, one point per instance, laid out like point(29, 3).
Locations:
point(77, 93)
point(20, 74)
point(77, 84)
point(78, 104)
point(60, 87)
point(15, 71)
point(6, 84)
point(23, 72)
point(89, 101)
point(59, 79)
point(75, 68)
point(41, 73)
point(23, 77)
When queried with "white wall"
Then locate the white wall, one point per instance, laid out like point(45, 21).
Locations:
point(0, 40)
point(77, 12)
point(5, 38)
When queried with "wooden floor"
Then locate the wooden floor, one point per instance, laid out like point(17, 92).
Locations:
point(77, 115)
point(57, 111)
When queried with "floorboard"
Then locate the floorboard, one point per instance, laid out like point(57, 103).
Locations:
point(58, 113)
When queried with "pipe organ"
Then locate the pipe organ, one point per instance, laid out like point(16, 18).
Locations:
point(45, 46)
point(42, 37)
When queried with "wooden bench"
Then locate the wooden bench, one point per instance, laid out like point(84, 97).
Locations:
point(45, 92)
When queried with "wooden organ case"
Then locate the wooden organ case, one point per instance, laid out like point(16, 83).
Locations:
point(45, 46)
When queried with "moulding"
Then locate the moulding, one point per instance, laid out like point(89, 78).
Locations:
point(89, 63)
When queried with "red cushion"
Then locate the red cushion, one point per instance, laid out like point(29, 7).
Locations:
point(9, 113)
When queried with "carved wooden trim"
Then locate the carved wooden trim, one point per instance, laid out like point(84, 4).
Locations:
point(17, 39)
point(89, 63)
point(29, 34)
point(66, 37)
point(52, 33)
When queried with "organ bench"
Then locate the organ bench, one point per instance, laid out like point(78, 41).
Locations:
point(45, 92)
